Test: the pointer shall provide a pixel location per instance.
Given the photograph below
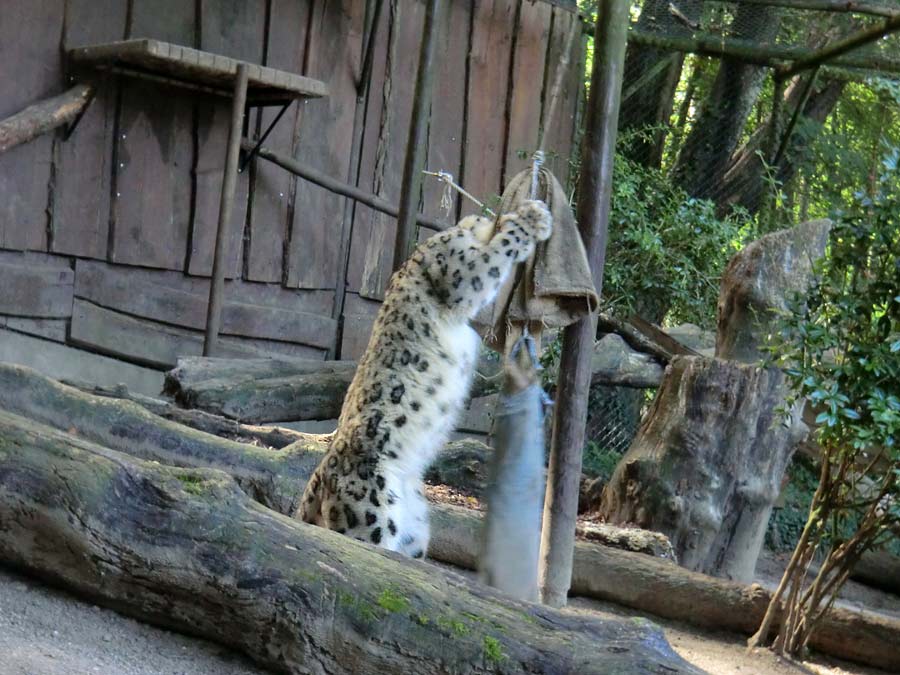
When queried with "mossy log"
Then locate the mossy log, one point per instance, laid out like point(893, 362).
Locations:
point(276, 478)
point(188, 549)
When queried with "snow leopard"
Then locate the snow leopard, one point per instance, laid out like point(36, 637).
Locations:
point(413, 380)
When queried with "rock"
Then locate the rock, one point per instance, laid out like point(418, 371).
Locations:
point(615, 363)
point(694, 337)
point(629, 539)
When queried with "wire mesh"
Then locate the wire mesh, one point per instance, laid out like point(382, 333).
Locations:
point(705, 123)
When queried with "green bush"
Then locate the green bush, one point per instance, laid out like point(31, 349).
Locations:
point(666, 250)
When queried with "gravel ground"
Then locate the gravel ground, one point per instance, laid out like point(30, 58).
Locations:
point(48, 632)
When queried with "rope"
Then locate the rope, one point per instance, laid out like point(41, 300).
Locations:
point(447, 179)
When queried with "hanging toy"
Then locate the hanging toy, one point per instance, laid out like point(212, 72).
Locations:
point(515, 499)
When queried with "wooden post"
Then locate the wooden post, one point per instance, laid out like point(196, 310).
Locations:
point(595, 187)
point(415, 144)
point(226, 202)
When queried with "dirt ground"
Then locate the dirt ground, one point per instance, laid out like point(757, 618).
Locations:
point(44, 631)
point(47, 632)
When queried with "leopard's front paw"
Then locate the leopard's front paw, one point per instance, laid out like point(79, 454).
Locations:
point(536, 218)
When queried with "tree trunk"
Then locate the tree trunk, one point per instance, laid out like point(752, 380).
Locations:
point(743, 181)
point(706, 153)
point(653, 74)
point(188, 549)
point(706, 466)
point(759, 282)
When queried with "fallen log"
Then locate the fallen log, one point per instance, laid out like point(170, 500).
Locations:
point(44, 116)
point(284, 389)
point(273, 437)
point(662, 588)
point(275, 478)
point(599, 571)
point(277, 390)
point(878, 569)
point(187, 549)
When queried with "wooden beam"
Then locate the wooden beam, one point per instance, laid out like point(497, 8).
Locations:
point(229, 182)
point(573, 385)
point(830, 53)
point(339, 187)
point(415, 144)
point(44, 116)
point(846, 6)
point(772, 57)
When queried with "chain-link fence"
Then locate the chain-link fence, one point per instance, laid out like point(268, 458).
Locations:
point(724, 136)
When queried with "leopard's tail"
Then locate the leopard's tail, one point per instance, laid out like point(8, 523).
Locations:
point(311, 502)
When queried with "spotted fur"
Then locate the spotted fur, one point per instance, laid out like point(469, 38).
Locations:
point(413, 381)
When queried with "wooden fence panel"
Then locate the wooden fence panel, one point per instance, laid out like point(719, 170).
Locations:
point(81, 195)
point(531, 37)
point(30, 36)
point(273, 190)
point(448, 109)
point(486, 121)
point(324, 141)
point(234, 28)
point(154, 151)
point(559, 134)
point(159, 346)
point(178, 301)
point(368, 167)
point(35, 286)
point(374, 232)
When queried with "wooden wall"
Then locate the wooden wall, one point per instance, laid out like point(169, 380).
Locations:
point(119, 219)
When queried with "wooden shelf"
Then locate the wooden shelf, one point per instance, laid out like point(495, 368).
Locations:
point(195, 69)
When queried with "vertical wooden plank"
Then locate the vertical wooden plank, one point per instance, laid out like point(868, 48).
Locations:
point(81, 199)
point(448, 107)
point(232, 28)
point(372, 123)
point(374, 232)
point(324, 141)
point(154, 151)
point(532, 33)
point(30, 37)
point(489, 61)
point(273, 187)
point(559, 135)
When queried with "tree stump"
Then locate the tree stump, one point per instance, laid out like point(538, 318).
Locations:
point(759, 281)
point(706, 466)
